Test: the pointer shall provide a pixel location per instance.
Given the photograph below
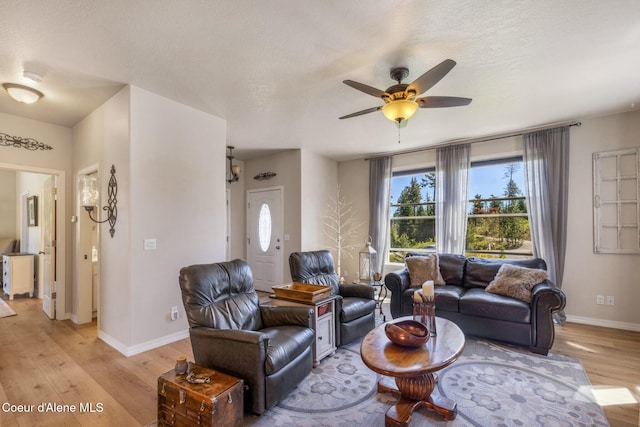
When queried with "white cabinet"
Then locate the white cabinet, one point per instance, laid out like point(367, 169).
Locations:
point(323, 323)
point(325, 334)
point(17, 274)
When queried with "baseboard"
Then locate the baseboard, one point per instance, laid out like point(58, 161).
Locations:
point(604, 323)
point(140, 348)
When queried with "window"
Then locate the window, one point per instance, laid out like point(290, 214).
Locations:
point(497, 226)
point(264, 227)
point(413, 213)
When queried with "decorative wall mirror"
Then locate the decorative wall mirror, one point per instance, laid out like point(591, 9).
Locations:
point(616, 201)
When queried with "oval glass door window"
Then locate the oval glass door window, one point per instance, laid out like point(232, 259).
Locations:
point(264, 227)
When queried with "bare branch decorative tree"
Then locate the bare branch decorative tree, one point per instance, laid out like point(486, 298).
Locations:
point(341, 227)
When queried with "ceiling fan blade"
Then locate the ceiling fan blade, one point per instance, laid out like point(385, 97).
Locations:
point(365, 88)
point(431, 77)
point(360, 113)
point(442, 101)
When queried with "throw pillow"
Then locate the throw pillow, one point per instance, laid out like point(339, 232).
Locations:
point(422, 268)
point(516, 282)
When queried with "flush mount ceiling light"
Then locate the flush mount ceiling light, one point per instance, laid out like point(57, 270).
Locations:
point(22, 93)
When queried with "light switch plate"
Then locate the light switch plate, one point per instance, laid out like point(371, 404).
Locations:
point(149, 244)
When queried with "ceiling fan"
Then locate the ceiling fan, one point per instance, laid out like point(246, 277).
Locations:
point(400, 102)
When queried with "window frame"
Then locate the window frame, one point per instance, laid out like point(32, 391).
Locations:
point(501, 160)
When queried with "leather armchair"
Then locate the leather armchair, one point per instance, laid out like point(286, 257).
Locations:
point(355, 303)
point(268, 347)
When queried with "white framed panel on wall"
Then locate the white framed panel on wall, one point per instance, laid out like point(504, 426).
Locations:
point(616, 201)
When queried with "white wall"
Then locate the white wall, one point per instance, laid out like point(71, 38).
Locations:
point(30, 184)
point(169, 161)
point(237, 209)
point(102, 139)
point(8, 205)
point(58, 161)
point(287, 166)
point(353, 177)
point(178, 198)
point(586, 274)
point(319, 180)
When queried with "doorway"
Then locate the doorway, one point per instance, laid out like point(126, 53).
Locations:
point(264, 237)
point(31, 243)
point(88, 263)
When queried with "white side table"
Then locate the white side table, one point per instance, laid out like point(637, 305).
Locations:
point(323, 323)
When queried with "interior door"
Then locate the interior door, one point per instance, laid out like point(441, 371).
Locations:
point(47, 259)
point(264, 237)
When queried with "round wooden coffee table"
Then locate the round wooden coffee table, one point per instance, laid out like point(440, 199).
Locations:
point(413, 369)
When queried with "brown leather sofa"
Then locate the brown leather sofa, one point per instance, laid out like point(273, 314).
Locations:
point(463, 300)
point(355, 305)
point(268, 347)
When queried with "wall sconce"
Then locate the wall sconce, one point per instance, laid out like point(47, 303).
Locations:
point(234, 170)
point(88, 192)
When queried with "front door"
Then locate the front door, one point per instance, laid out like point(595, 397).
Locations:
point(47, 259)
point(264, 237)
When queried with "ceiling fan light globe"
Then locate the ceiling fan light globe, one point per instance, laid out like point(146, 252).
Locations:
point(400, 110)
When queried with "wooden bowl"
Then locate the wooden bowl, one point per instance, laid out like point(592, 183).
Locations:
point(407, 333)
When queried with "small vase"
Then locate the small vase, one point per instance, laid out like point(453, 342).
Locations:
point(181, 365)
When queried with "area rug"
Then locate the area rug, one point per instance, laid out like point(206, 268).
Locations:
point(493, 385)
point(5, 310)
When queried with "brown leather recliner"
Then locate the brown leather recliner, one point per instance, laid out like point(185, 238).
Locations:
point(355, 305)
point(268, 347)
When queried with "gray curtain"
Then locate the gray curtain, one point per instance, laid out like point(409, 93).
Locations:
point(452, 199)
point(379, 196)
point(546, 166)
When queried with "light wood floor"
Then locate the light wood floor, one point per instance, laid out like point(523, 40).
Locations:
point(44, 361)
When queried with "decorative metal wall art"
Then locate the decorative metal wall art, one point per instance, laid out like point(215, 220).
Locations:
point(264, 175)
point(18, 142)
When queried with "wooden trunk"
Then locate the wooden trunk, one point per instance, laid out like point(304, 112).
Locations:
point(182, 404)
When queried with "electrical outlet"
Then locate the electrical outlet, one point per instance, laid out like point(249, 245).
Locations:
point(600, 299)
point(610, 300)
point(174, 313)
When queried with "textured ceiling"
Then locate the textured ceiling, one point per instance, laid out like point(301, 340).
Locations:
point(274, 69)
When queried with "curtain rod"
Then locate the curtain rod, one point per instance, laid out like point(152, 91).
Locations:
point(478, 139)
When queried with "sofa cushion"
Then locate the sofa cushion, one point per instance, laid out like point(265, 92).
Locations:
point(481, 271)
point(354, 308)
point(516, 282)
point(447, 297)
point(423, 268)
point(480, 303)
point(452, 268)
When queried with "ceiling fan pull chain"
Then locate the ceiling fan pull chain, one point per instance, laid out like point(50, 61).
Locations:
point(398, 132)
